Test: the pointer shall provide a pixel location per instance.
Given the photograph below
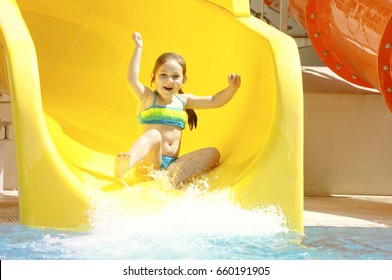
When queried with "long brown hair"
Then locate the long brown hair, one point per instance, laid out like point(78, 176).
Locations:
point(192, 117)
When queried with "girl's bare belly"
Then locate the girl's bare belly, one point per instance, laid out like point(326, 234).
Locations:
point(171, 138)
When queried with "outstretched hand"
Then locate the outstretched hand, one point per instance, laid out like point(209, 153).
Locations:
point(234, 81)
point(137, 39)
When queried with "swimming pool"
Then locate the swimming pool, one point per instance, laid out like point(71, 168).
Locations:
point(319, 243)
point(198, 227)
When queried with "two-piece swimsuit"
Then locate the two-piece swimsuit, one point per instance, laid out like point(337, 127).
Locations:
point(158, 114)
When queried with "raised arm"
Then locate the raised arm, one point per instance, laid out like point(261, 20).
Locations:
point(217, 100)
point(134, 67)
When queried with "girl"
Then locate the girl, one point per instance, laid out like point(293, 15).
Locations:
point(162, 117)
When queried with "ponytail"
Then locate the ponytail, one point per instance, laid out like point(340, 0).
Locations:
point(192, 117)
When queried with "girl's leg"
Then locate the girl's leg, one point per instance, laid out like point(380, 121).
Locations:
point(192, 164)
point(150, 141)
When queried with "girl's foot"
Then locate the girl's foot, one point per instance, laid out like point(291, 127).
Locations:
point(121, 165)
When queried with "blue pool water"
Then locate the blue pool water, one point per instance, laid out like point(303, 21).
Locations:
point(198, 227)
point(319, 243)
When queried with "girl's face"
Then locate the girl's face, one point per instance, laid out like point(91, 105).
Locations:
point(169, 79)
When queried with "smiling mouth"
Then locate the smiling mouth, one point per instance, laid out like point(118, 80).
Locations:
point(168, 88)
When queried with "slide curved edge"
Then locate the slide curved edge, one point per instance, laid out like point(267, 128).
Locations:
point(35, 151)
point(276, 175)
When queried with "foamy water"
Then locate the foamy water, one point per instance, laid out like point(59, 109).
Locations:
point(196, 212)
point(198, 224)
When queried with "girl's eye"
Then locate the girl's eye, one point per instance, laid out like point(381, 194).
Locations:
point(175, 77)
point(163, 75)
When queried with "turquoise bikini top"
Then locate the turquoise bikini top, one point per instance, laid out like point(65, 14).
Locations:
point(157, 114)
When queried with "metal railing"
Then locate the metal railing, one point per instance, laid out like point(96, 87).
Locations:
point(282, 8)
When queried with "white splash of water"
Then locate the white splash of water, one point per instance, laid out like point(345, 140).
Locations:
point(196, 212)
point(197, 224)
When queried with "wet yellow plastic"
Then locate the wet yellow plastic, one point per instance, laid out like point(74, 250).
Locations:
point(66, 64)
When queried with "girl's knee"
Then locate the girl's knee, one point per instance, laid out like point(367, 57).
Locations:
point(213, 154)
point(208, 158)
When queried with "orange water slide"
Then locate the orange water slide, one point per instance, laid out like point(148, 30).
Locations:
point(352, 37)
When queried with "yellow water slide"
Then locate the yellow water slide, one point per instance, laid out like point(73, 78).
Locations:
point(65, 64)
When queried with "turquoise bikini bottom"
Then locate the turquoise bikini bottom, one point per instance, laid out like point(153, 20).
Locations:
point(166, 161)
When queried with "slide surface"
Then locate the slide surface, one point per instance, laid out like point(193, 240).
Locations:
point(65, 63)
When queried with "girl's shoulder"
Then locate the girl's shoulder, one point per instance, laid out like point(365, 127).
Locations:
point(186, 96)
